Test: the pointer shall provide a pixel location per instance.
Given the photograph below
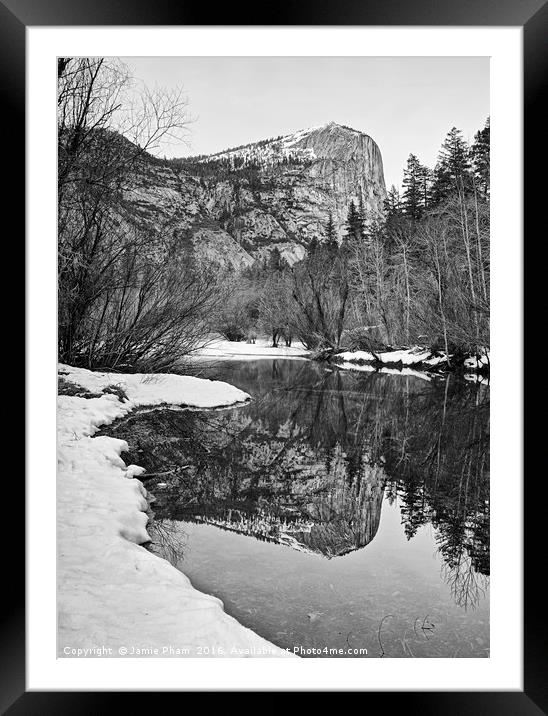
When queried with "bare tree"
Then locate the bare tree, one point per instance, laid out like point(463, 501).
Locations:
point(434, 234)
point(125, 299)
point(276, 308)
point(370, 276)
point(404, 235)
point(321, 291)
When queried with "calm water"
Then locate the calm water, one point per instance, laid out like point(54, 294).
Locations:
point(337, 509)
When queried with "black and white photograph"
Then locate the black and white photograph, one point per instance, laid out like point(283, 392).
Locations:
point(273, 357)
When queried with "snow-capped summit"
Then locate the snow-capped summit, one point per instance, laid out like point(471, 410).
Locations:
point(303, 145)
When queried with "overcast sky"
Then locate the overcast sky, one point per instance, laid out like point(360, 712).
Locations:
point(406, 104)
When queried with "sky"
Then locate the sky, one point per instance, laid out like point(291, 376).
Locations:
point(406, 104)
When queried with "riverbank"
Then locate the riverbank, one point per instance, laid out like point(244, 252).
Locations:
point(418, 360)
point(115, 597)
point(415, 359)
point(221, 349)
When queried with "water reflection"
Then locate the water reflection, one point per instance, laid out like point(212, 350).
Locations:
point(308, 463)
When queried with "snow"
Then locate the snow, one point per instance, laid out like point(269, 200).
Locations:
point(239, 350)
point(436, 360)
point(355, 356)
point(478, 362)
point(290, 139)
point(272, 151)
point(161, 388)
point(114, 594)
point(364, 360)
point(405, 357)
point(269, 152)
point(408, 357)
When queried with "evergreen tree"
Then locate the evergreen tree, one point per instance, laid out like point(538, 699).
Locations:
point(413, 183)
point(362, 216)
point(393, 213)
point(425, 178)
point(354, 226)
point(452, 172)
point(392, 203)
point(481, 158)
point(441, 186)
point(330, 232)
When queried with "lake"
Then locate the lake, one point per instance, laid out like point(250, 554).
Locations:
point(338, 510)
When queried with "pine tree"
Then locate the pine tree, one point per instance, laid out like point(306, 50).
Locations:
point(440, 187)
point(330, 232)
point(452, 172)
point(413, 195)
point(425, 178)
point(362, 216)
point(353, 226)
point(455, 154)
point(392, 203)
point(481, 158)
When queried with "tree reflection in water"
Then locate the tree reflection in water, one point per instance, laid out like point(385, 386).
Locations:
point(308, 462)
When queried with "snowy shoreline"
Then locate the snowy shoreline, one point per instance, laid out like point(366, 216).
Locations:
point(417, 361)
point(115, 597)
point(220, 348)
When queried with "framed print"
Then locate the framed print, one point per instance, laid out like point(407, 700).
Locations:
point(265, 319)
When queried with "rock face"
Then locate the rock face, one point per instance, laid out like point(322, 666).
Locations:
point(234, 207)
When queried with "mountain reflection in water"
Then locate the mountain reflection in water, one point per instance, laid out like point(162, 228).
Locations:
point(310, 460)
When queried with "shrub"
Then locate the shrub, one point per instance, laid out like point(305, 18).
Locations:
point(116, 390)
point(67, 387)
point(364, 338)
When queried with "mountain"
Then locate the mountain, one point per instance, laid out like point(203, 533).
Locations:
point(235, 206)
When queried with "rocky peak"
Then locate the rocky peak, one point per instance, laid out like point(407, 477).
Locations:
point(335, 141)
point(347, 147)
point(237, 205)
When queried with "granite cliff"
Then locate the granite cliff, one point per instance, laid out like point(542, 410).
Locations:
point(235, 206)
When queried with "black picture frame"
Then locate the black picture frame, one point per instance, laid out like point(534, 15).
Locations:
point(532, 15)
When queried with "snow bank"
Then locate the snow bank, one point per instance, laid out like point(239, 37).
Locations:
point(115, 598)
point(411, 356)
point(417, 356)
point(239, 350)
point(355, 356)
point(161, 388)
point(406, 357)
